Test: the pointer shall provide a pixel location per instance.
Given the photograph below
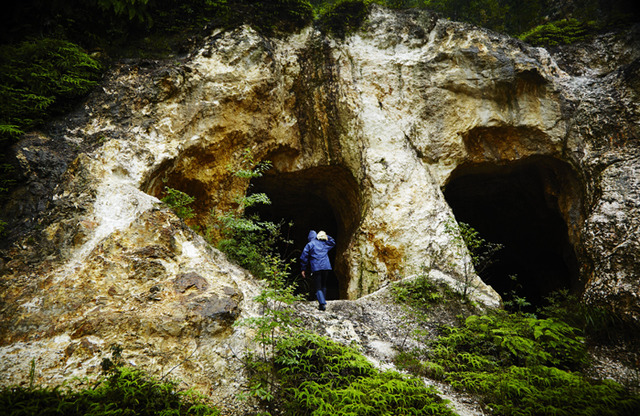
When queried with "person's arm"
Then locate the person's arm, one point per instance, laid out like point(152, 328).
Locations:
point(304, 259)
point(330, 241)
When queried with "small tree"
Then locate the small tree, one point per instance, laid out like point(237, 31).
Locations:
point(246, 239)
point(179, 202)
point(276, 322)
point(469, 245)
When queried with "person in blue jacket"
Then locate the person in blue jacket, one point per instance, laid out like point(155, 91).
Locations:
point(315, 257)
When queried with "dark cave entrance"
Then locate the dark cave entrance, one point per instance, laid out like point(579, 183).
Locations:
point(321, 198)
point(533, 208)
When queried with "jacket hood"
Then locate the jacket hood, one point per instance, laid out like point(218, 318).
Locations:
point(312, 235)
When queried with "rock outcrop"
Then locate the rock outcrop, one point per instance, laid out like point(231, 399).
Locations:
point(373, 126)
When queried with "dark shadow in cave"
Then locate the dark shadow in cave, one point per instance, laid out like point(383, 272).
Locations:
point(321, 198)
point(524, 206)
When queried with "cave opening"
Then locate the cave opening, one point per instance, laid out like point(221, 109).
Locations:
point(321, 198)
point(532, 207)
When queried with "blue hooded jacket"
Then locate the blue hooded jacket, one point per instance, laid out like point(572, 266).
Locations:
point(314, 255)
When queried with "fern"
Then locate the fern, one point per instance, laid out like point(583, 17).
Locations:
point(320, 377)
point(522, 365)
point(125, 391)
point(561, 32)
point(40, 78)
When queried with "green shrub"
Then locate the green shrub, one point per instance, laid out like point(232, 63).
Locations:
point(597, 323)
point(320, 377)
point(465, 242)
point(513, 339)
point(125, 391)
point(38, 79)
point(41, 78)
point(544, 390)
point(344, 17)
point(560, 32)
point(273, 16)
point(246, 239)
point(520, 365)
point(179, 202)
point(485, 13)
point(410, 361)
point(276, 321)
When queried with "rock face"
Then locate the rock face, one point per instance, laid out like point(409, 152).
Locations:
point(370, 128)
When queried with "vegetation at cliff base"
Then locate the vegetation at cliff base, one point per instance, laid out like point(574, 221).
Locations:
point(517, 364)
point(320, 377)
point(125, 391)
point(295, 372)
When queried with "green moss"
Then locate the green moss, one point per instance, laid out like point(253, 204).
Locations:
point(420, 292)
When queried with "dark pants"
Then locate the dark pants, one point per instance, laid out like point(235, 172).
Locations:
point(320, 282)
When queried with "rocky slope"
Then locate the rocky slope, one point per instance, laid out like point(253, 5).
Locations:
point(374, 126)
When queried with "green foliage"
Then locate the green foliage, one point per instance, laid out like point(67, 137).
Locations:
point(400, 4)
point(276, 16)
point(520, 365)
point(344, 17)
point(270, 17)
point(320, 377)
point(514, 339)
point(597, 323)
point(410, 361)
point(179, 202)
point(467, 241)
point(546, 391)
point(560, 32)
point(518, 16)
point(130, 9)
point(125, 391)
point(41, 78)
point(247, 240)
point(486, 13)
point(38, 79)
point(276, 321)
point(277, 318)
point(482, 252)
